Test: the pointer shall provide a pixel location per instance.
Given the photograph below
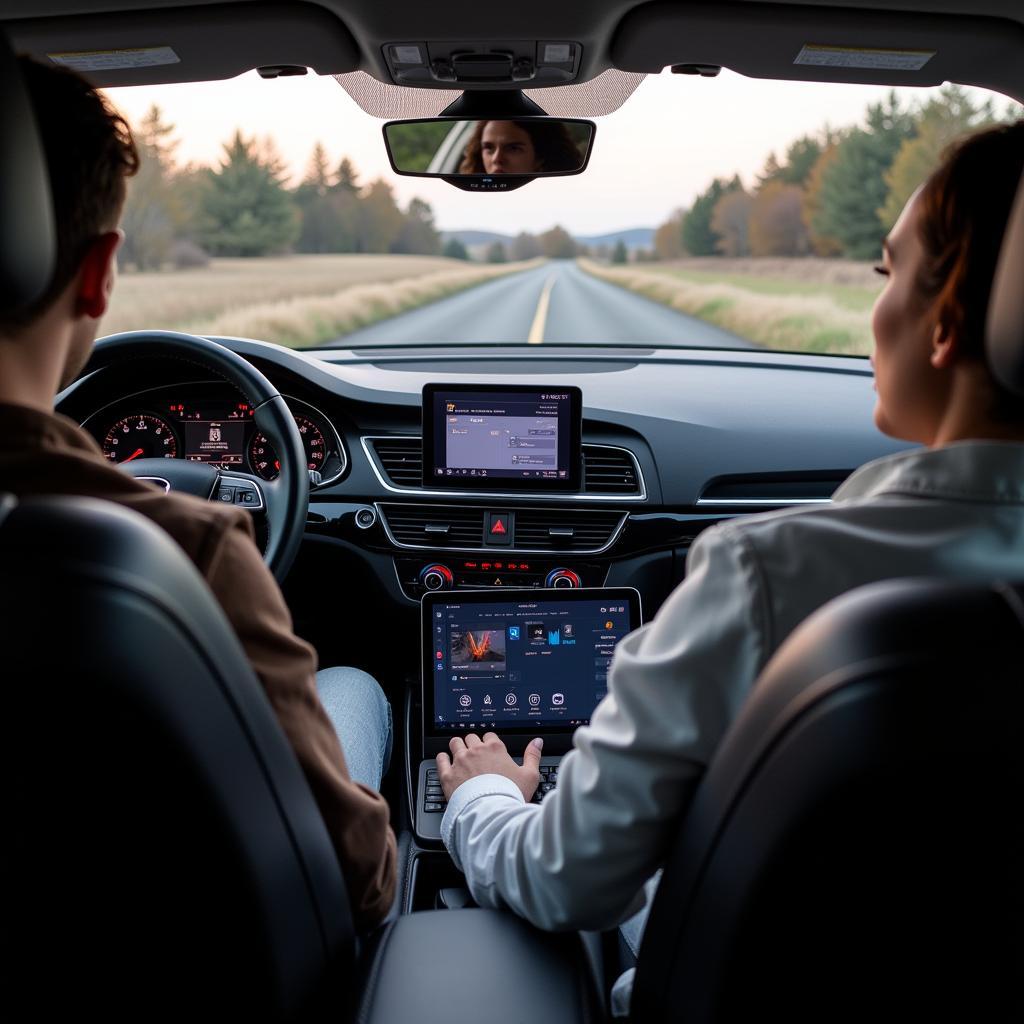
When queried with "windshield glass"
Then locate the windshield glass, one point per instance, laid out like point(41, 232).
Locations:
point(726, 212)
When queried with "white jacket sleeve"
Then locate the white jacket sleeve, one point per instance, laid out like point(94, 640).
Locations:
point(579, 860)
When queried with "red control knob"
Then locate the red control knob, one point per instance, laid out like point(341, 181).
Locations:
point(562, 578)
point(436, 577)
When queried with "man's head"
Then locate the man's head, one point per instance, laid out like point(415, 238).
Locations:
point(90, 153)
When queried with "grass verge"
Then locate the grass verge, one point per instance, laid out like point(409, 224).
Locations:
point(800, 306)
point(297, 301)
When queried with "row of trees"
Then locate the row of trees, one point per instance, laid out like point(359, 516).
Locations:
point(555, 243)
point(836, 193)
point(181, 215)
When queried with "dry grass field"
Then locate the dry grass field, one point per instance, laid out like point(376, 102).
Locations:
point(798, 305)
point(291, 300)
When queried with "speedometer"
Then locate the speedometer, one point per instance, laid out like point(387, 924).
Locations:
point(140, 436)
point(264, 460)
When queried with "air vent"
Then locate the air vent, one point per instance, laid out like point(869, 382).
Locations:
point(434, 526)
point(565, 530)
point(401, 458)
point(773, 489)
point(609, 471)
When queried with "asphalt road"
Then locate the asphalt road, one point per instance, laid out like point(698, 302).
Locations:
point(556, 303)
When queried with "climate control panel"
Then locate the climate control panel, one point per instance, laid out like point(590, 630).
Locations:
point(420, 575)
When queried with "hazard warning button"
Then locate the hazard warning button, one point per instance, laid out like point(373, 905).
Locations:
point(499, 528)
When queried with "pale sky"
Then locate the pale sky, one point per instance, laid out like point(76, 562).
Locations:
point(654, 154)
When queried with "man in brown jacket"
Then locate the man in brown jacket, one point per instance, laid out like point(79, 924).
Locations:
point(90, 153)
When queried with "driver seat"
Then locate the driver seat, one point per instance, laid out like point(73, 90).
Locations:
point(164, 854)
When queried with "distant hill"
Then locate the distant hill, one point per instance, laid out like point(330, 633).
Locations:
point(634, 238)
point(470, 238)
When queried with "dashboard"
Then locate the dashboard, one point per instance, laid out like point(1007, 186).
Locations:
point(670, 442)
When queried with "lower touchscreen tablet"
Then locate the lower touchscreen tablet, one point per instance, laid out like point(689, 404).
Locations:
point(519, 662)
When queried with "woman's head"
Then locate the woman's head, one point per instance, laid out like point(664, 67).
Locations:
point(519, 147)
point(929, 321)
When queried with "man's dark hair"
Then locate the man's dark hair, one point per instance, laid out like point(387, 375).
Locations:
point(89, 152)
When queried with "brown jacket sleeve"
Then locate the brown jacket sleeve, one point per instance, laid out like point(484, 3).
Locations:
point(357, 816)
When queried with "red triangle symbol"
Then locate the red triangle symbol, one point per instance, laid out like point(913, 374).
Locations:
point(498, 527)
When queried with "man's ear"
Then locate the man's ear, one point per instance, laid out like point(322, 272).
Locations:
point(945, 347)
point(97, 274)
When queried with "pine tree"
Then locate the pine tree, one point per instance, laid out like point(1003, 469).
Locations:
point(853, 187)
point(152, 214)
point(699, 238)
point(417, 233)
point(942, 119)
point(455, 250)
point(496, 253)
point(245, 209)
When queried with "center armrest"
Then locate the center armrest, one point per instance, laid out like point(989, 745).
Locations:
point(439, 966)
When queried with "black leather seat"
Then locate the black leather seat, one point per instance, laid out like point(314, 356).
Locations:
point(854, 851)
point(163, 853)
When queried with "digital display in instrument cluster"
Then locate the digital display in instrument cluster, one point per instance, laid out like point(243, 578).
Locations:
point(213, 433)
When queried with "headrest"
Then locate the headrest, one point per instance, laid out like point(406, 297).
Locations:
point(1005, 326)
point(28, 241)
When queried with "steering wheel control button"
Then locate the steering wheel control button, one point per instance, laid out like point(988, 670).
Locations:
point(226, 494)
point(562, 579)
point(499, 529)
point(365, 518)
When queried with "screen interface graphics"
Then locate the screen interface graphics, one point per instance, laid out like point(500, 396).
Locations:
point(523, 664)
point(513, 436)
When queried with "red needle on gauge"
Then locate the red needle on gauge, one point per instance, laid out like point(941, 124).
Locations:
point(134, 455)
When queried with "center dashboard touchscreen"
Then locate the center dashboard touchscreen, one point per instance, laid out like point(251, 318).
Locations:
point(506, 437)
point(520, 663)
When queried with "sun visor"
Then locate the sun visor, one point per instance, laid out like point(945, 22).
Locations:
point(822, 44)
point(193, 44)
point(28, 243)
point(1005, 325)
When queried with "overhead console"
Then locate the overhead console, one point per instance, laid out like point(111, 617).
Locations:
point(544, 63)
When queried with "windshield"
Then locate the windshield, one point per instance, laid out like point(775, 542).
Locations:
point(727, 212)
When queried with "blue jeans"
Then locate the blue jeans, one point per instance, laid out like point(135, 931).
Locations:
point(361, 716)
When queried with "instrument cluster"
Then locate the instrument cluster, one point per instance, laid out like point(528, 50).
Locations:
point(203, 423)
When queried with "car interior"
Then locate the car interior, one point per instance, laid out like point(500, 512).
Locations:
point(852, 851)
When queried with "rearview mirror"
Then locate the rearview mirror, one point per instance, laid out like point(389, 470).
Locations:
point(489, 155)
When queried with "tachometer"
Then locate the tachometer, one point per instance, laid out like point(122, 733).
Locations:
point(140, 436)
point(263, 458)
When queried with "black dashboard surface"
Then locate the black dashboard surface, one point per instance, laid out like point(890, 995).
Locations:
point(690, 417)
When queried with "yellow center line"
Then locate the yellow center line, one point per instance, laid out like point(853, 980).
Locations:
point(536, 335)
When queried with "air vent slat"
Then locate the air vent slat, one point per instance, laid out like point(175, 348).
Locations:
point(773, 488)
point(545, 530)
point(428, 526)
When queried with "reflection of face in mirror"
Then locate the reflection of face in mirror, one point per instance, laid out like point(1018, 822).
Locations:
point(520, 147)
point(505, 148)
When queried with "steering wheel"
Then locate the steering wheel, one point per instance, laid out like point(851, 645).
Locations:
point(284, 499)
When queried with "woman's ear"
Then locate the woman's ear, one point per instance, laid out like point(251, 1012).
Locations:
point(945, 349)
